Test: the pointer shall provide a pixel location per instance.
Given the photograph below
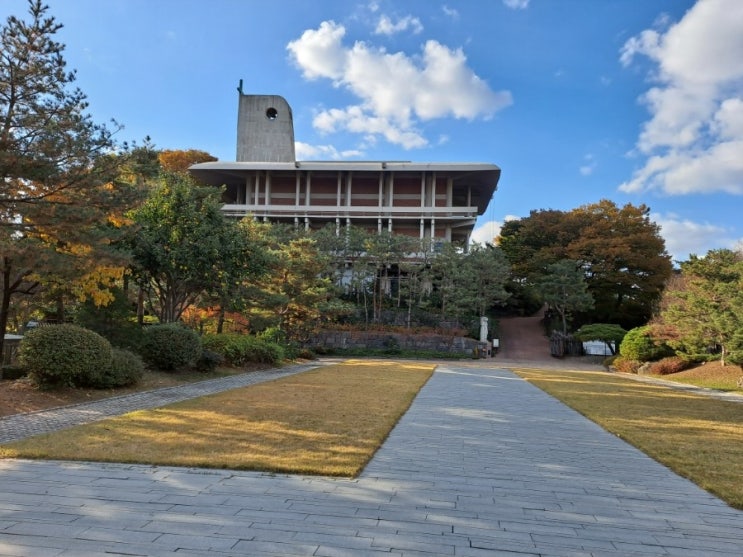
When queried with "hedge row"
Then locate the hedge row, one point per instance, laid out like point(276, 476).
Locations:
point(70, 355)
point(239, 350)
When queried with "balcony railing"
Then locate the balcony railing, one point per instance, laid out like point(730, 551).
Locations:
point(357, 211)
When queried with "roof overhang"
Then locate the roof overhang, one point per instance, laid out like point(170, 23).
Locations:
point(482, 178)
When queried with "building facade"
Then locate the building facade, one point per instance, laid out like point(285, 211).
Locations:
point(436, 201)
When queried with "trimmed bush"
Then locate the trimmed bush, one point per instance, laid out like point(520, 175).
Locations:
point(625, 365)
point(209, 361)
point(666, 366)
point(126, 368)
point(239, 350)
point(170, 346)
point(639, 345)
point(64, 355)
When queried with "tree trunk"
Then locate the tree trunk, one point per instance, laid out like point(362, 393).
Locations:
point(60, 307)
point(140, 306)
point(4, 307)
point(11, 286)
point(220, 319)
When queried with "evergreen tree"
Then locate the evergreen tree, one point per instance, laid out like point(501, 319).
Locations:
point(703, 309)
point(564, 289)
point(56, 182)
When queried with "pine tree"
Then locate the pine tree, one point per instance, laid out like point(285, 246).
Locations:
point(55, 182)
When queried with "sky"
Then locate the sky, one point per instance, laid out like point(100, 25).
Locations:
point(635, 101)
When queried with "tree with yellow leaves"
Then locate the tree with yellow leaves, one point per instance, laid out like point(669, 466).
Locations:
point(56, 168)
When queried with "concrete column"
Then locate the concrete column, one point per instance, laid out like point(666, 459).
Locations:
point(449, 192)
point(423, 228)
point(338, 189)
point(337, 226)
point(298, 188)
point(380, 200)
point(389, 225)
point(245, 191)
point(308, 189)
point(257, 190)
point(268, 188)
point(349, 184)
point(379, 226)
point(433, 233)
point(306, 223)
point(423, 190)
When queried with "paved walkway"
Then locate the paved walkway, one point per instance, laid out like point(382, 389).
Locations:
point(20, 426)
point(483, 464)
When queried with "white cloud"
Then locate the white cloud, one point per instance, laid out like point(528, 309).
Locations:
point(450, 12)
point(486, 232)
point(684, 237)
point(589, 166)
point(305, 151)
point(396, 92)
point(386, 26)
point(516, 4)
point(318, 52)
point(693, 139)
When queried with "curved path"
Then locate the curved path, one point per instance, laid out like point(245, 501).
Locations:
point(483, 464)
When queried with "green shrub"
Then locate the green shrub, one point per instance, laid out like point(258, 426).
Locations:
point(68, 355)
point(306, 354)
point(667, 366)
point(209, 361)
point(609, 361)
point(126, 368)
point(239, 350)
point(639, 345)
point(277, 336)
point(170, 346)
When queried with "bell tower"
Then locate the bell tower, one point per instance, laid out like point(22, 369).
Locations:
point(265, 129)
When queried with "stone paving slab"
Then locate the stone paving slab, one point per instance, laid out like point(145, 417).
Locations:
point(483, 464)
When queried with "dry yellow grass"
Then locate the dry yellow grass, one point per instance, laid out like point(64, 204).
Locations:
point(698, 437)
point(711, 375)
point(329, 421)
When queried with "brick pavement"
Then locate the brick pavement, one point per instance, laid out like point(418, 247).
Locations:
point(483, 464)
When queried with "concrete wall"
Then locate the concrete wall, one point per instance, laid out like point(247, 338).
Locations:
point(265, 129)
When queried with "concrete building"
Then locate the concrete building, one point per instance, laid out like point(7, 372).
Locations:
point(438, 201)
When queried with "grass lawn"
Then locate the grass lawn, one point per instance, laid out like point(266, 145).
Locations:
point(329, 421)
point(698, 437)
point(711, 375)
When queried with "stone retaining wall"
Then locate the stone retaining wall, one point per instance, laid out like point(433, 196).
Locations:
point(385, 340)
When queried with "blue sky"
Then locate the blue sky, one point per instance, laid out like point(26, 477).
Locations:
point(637, 101)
